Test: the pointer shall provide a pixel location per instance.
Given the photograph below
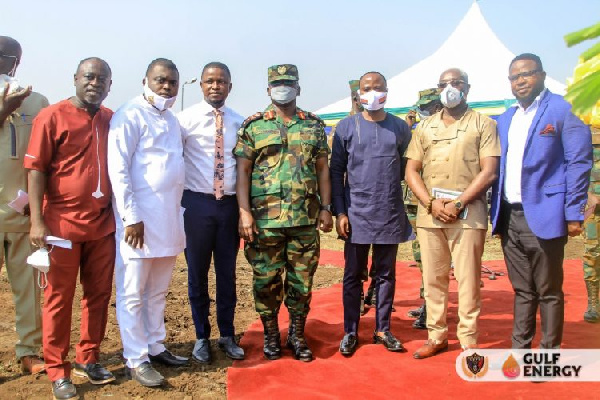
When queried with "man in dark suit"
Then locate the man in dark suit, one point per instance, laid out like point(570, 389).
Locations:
point(539, 198)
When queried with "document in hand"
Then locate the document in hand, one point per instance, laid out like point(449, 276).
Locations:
point(19, 202)
point(450, 194)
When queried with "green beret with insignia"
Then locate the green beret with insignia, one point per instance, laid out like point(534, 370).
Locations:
point(283, 72)
point(427, 96)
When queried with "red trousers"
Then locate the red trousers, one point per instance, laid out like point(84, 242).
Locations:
point(95, 260)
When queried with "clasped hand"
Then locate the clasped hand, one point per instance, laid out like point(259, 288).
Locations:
point(444, 210)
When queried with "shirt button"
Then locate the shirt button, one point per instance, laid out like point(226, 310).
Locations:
point(447, 176)
point(433, 159)
point(433, 176)
point(447, 159)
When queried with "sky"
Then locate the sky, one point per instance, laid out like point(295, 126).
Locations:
point(331, 41)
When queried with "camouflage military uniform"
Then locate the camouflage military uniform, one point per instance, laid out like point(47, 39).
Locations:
point(285, 206)
point(591, 232)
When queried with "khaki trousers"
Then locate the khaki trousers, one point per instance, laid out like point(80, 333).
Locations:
point(438, 248)
point(26, 293)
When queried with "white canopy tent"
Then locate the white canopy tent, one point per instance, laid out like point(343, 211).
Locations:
point(472, 47)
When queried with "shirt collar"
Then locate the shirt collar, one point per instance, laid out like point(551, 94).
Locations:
point(435, 120)
point(535, 103)
point(207, 109)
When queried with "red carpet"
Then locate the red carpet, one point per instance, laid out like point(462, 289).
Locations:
point(375, 373)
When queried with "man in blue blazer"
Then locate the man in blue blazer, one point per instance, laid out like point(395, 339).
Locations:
point(539, 197)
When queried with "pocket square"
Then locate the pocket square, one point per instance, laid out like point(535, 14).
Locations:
point(548, 130)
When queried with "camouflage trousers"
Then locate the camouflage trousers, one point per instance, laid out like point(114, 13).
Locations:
point(294, 251)
point(591, 255)
point(411, 213)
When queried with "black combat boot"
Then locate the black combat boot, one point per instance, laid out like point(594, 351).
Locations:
point(296, 340)
point(592, 314)
point(370, 297)
point(421, 321)
point(272, 346)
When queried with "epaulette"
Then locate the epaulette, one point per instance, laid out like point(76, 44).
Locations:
point(315, 116)
point(251, 118)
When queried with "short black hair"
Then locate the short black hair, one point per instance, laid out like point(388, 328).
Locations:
point(93, 59)
point(373, 72)
point(528, 56)
point(165, 62)
point(216, 64)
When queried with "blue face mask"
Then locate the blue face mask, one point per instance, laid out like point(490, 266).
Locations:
point(283, 94)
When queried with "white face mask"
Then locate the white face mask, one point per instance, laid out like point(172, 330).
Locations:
point(40, 259)
point(13, 83)
point(451, 96)
point(159, 102)
point(283, 94)
point(373, 100)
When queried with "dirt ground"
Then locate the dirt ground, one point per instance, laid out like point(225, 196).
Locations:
point(190, 383)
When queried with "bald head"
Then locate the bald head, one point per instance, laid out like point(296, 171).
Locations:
point(10, 55)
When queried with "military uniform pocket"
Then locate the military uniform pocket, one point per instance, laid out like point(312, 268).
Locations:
point(266, 201)
point(268, 147)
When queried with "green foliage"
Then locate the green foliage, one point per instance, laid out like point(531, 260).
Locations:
point(584, 93)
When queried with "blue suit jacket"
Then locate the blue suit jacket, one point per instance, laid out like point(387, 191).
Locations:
point(556, 168)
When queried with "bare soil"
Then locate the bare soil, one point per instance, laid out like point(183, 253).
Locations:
point(190, 383)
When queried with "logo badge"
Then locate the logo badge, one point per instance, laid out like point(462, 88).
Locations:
point(475, 366)
point(511, 368)
point(281, 69)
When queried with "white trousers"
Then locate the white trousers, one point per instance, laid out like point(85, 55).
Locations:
point(142, 285)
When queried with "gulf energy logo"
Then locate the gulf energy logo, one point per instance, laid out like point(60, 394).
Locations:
point(519, 365)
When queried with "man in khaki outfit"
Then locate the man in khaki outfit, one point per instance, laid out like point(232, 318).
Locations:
point(456, 150)
point(18, 107)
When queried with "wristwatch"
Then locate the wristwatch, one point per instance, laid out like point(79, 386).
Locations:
point(327, 207)
point(458, 204)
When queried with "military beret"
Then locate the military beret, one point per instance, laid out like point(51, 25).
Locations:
point(354, 85)
point(427, 96)
point(283, 72)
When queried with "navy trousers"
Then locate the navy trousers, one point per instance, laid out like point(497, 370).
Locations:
point(384, 261)
point(211, 228)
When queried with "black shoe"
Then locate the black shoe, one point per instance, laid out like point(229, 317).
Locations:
point(63, 389)
point(349, 344)
point(421, 322)
point(416, 312)
point(272, 338)
point(230, 347)
point(370, 297)
point(389, 341)
point(146, 375)
point(201, 352)
point(168, 358)
point(96, 373)
point(296, 340)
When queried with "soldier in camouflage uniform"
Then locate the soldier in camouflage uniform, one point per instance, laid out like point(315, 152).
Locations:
point(428, 104)
point(283, 192)
point(591, 232)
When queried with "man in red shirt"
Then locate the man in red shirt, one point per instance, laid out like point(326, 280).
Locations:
point(70, 197)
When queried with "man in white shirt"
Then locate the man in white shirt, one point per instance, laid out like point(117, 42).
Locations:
point(146, 169)
point(211, 219)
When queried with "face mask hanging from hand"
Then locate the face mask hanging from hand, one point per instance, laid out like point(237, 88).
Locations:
point(283, 94)
point(159, 102)
point(373, 100)
point(40, 259)
point(451, 96)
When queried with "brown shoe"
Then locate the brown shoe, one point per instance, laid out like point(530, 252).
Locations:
point(32, 365)
point(430, 349)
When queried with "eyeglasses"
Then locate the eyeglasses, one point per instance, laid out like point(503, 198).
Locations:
point(524, 75)
point(14, 58)
point(454, 83)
